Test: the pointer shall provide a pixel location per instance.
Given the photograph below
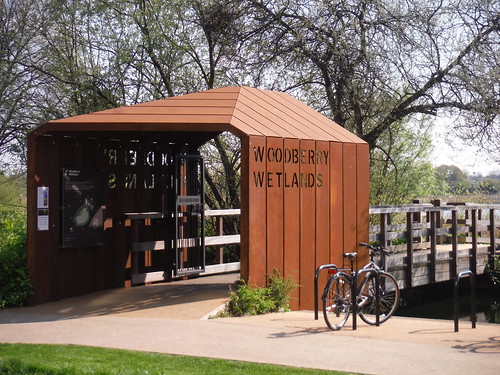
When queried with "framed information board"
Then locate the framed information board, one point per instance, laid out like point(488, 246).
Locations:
point(82, 218)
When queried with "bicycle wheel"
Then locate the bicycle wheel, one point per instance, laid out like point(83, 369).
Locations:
point(337, 301)
point(366, 299)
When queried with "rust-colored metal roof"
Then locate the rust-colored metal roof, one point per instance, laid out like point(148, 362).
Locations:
point(243, 111)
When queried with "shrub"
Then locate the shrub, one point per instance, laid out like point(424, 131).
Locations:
point(14, 280)
point(493, 269)
point(252, 300)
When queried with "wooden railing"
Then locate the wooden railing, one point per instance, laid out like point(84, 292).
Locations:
point(220, 240)
point(436, 241)
point(431, 242)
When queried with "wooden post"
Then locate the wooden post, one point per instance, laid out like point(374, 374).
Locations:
point(437, 203)
point(409, 250)
point(454, 245)
point(219, 229)
point(492, 239)
point(383, 229)
point(473, 256)
point(479, 218)
point(417, 218)
point(432, 236)
point(388, 222)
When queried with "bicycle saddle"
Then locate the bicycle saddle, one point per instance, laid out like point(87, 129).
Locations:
point(350, 255)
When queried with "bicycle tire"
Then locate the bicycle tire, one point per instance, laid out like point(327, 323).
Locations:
point(389, 298)
point(337, 301)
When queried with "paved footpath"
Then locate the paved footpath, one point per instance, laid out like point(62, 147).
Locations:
point(171, 318)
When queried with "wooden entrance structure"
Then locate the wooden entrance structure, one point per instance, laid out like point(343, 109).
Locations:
point(305, 190)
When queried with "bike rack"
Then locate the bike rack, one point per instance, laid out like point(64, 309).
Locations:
point(316, 276)
point(472, 300)
point(377, 296)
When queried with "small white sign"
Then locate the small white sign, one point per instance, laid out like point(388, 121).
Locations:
point(188, 200)
point(43, 219)
point(43, 197)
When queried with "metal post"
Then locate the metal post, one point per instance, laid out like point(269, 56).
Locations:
point(377, 295)
point(354, 300)
point(454, 244)
point(472, 300)
point(316, 276)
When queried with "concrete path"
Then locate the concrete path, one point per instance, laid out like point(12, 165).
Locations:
point(171, 318)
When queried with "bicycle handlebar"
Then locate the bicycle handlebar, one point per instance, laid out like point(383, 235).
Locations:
point(376, 249)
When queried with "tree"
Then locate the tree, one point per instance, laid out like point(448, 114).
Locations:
point(18, 87)
point(456, 179)
point(399, 170)
point(370, 64)
point(12, 188)
point(374, 67)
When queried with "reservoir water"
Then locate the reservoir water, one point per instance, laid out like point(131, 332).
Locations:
point(436, 302)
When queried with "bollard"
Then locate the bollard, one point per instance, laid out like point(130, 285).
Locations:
point(377, 296)
point(472, 300)
point(316, 276)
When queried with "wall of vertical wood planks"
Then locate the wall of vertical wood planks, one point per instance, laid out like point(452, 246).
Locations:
point(302, 214)
point(291, 230)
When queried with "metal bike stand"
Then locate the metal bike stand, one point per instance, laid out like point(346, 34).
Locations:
point(472, 299)
point(377, 297)
point(316, 276)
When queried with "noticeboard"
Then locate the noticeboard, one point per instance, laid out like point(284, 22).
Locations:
point(82, 218)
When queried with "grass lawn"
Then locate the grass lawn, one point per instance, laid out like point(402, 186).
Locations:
point(21, 359)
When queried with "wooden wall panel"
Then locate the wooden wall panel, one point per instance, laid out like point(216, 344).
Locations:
point(42, 245)
point(274, 197)
point(70, 268)
point(291, 230)
point(363, 200)
point(349, 197)
point(245, 208)
point(117, 260)
point(307, 223)
point(336, 204)
point(253, 252)
point(322, 186)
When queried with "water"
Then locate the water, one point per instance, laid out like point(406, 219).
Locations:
point(436, 302)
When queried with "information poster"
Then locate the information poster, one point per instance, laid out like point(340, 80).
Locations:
point(42, 208)
point(82, 208)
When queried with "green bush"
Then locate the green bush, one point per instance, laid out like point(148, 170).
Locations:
point(493, 269)
point(252, 300)
point(15, 285)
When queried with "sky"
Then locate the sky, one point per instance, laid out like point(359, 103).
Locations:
point(467, 158)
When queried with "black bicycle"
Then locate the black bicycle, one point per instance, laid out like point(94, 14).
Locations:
point(337, 300)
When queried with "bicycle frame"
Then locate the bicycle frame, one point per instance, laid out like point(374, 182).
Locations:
point(368, 291)
point(372, 268)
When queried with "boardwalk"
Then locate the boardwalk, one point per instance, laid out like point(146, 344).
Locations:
point(433, 243)
point(425, 272)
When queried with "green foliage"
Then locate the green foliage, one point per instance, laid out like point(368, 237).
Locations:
point(400, 169)
point(12, 191)
point(23, 359)
point(459, 182)
point(494, 269)
point(252, 300)
point(14, 280)
point(248, 300)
